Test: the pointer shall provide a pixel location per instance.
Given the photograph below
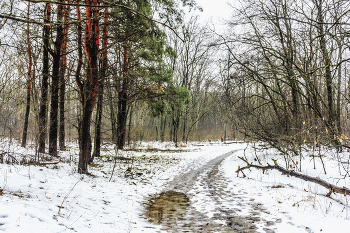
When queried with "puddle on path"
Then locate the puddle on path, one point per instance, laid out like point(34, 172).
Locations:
point(167, 207)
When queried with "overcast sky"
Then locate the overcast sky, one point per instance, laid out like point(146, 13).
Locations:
point(215, 8)
point(214, 11)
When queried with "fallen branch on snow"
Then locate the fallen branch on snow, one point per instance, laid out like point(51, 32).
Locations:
point(332, 188)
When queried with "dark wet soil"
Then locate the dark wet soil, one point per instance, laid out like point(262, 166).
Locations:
point(167, 207)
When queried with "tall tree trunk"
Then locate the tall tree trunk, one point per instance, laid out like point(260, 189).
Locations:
point(29, 84)
point(35, 95)
point(129, 126)
point(122, 103)
point(338, 113)
point(101, 81)
point(328, 75)
point(55, 83)
point(84, 135)
point(45, 81)
point(112, 114)
point(289, 58)
point(184, 131)
point(176, 125)
point(89, 88)
point(80, 55)
point(97, 138)
point(121, 118)
point(62, 85)
point(162, 128)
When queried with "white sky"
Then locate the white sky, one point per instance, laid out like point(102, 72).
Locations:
point(214, 12)
point(215, 9)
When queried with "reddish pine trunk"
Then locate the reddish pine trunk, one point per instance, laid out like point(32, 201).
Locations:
point(90, 85)
point(45, 83)
point(29, 84)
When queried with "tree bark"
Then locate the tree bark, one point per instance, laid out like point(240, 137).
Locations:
point(122, 103)
point(130, 123)
point(328, 75)
point(90, 85)
point(176, 125)
point(62, 85)
point(121, 119)
point(55, 83)
point(101, 81)
point(162, 128)
point(112, 114)
point(80, 55)
point(45, 81)
point(29, 84)
point(184, 130)
point(339, 84)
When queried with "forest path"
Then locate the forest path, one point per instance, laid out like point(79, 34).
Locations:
point(199, 201)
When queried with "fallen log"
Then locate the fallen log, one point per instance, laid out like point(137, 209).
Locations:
point(332, 188)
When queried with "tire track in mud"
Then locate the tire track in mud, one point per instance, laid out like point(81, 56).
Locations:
point(209, 181)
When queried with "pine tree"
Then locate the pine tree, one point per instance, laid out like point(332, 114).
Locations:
point(143, 73)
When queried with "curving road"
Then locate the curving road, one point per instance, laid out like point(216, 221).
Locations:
point(207, 206)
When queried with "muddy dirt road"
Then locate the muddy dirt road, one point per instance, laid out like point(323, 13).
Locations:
point(199, 201)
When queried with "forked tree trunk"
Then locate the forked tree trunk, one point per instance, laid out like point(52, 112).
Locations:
point(45, 81)
point(29, 84)
point(88, 89)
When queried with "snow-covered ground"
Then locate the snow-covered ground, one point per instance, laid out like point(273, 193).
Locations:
point(291, 204)
point(54, 198)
